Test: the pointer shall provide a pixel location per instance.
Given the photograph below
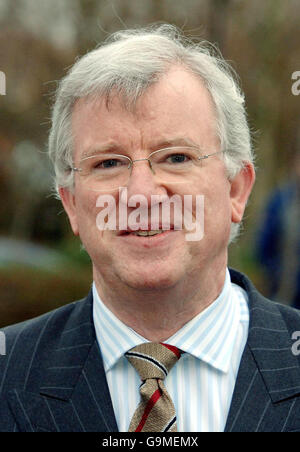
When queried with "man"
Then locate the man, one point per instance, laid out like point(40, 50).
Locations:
point(168, 339)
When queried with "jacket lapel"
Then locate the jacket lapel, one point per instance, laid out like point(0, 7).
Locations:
point(269, 376)
point(74, 395)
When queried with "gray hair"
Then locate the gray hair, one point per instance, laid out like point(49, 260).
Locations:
point(127, 63)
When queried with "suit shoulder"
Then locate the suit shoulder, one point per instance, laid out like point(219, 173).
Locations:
point(35, 325)
point(38, 336)
point(291, 317)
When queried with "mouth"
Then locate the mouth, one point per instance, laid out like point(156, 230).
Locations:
point(143, 233)
point(149, 238)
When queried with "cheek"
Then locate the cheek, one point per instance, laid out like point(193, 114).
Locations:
point(87, 215)
point(93, 213)
point(217, 210)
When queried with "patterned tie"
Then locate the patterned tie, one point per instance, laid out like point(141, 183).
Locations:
point(156, 412)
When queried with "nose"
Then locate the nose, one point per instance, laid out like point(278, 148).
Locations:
point(143, 180)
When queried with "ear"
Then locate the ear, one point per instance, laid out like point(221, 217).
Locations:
point(68, 201)
point(240, 190)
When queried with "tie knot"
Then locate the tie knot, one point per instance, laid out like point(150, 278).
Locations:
point(153, 360)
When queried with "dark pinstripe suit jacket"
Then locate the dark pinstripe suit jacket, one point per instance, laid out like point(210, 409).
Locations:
point(52, 377)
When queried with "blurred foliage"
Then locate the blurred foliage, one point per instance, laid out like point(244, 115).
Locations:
point(27, 292)
point(39, 41)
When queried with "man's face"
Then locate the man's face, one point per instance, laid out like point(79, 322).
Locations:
point(178, 109)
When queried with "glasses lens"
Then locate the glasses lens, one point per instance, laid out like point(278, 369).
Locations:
point(105, 171)
point(175, 164)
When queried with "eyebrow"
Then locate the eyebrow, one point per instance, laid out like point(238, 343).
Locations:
point(115, 148)
point(173, 142)
point(101, 148)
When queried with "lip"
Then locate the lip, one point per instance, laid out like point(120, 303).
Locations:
point(148, 242)
point(126, 232)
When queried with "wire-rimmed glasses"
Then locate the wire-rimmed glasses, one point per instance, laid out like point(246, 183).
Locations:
point(109, 171)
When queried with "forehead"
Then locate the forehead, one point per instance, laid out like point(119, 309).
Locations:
point(178, 105)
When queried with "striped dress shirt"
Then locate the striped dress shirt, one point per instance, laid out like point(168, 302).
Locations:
point(201, 383)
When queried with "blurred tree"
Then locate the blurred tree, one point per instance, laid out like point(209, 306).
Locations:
point(30, 181)
point(24, 113)
point(218, 22)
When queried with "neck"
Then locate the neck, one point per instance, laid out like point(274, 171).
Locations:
point(157, 314)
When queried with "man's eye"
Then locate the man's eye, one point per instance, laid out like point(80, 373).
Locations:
point(107, 164)
point(178, 158)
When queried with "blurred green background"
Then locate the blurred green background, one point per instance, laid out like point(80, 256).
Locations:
point(42, 265)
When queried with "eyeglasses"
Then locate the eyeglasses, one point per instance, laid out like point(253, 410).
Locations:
point(106, 171)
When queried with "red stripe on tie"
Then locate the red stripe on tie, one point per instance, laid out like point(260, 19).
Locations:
point(173, 349)
point(154, 398)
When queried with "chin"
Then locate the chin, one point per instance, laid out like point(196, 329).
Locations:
point(150, 281)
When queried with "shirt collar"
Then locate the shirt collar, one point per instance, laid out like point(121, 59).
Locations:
point(113, 336)
point(210, 336)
